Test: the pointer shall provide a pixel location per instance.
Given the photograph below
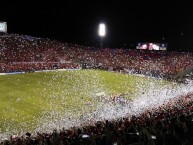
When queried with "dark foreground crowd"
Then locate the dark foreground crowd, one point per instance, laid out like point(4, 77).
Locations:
point(170, 124)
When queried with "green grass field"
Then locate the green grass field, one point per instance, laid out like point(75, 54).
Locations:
point(25, 98)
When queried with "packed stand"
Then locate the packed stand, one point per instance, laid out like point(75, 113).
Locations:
point(25, 53)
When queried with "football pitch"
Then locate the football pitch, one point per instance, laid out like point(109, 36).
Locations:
point(45, 100)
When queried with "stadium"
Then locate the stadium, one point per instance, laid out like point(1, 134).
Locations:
point(62, 93)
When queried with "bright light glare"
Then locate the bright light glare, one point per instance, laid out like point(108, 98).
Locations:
point(102, 30)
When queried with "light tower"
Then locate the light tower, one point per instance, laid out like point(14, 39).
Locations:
point(102, 33)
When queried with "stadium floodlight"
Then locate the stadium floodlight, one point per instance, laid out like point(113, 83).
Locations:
point(102, 32)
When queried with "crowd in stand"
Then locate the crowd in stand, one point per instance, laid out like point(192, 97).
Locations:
point(169, 124)
point(24, 53)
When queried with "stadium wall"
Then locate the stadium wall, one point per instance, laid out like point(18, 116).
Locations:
point(11, 73)
point(38, 71)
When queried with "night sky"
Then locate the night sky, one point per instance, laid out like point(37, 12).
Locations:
point(127, 22)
